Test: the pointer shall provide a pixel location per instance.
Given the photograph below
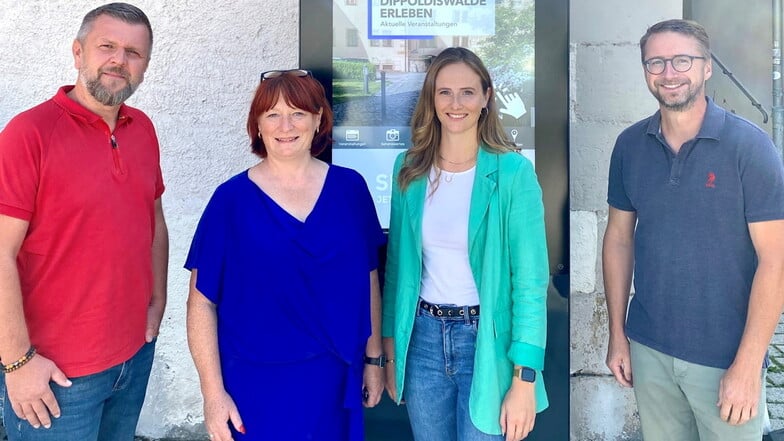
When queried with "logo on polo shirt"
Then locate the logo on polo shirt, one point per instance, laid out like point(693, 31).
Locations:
point(711, 182)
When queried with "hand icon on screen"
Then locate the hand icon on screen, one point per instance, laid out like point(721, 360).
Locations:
point(512, 105)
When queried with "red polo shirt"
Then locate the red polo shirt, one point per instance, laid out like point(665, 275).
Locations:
point(88, 194)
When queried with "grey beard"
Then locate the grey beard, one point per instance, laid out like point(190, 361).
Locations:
point(679, 107)
point(103, 96)
point(685, 105)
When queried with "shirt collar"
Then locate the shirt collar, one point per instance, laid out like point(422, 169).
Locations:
point(711, 124)
point(79, 111)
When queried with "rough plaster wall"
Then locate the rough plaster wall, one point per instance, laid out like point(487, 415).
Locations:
point(607, 94)
point(205, 66)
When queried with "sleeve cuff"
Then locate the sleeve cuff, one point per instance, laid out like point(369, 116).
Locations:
point(524, 354)
point(18, 213)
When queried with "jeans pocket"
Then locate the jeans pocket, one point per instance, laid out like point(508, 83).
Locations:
point(473, 325)
point(421, 335)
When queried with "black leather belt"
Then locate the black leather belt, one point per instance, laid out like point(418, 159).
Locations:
point(449, 311)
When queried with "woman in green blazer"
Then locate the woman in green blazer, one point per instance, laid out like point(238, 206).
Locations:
point(464, 303)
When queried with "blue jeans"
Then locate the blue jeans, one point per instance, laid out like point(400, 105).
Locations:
point(439, 368)
point(103, 406)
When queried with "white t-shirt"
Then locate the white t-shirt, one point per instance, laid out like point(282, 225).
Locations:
point(446, 272)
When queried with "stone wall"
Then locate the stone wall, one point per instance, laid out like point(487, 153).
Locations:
point(607, 94)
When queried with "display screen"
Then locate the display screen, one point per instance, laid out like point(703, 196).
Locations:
point(381, 50)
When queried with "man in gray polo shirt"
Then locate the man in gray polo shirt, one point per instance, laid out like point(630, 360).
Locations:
point(696, 210)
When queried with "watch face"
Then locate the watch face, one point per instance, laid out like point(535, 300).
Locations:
point(528, 375)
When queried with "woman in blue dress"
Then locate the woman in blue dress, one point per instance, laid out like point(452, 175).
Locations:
point(284, 303)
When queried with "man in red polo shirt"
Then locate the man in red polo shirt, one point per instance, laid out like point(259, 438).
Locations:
point(83, 245)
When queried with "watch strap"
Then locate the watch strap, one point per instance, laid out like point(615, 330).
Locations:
point(379, 361)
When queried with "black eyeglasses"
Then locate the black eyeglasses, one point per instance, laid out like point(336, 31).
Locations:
point(681, 63)
point(277, 73)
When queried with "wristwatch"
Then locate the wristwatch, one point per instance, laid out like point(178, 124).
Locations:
point(525, 373)
point(379, 361)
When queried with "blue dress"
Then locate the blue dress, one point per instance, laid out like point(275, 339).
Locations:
point(293, 304)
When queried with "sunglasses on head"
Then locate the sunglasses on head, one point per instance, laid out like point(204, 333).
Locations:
point(279, 73)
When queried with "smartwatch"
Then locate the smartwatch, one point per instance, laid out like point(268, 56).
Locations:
point(525, 373)
point(379, 361)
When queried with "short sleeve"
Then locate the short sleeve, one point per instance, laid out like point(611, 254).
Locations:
point(159, 186)
point(616, 191)
point(20, 157)
point(763, 182)
point(207, 252)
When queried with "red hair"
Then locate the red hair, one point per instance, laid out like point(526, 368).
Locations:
point(304, 93)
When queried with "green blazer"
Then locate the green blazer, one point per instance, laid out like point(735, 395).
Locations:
point(508, 257)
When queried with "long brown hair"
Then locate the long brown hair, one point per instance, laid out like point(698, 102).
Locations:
point(426, 128)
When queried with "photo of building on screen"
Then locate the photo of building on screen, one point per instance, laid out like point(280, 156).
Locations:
point(381, 50)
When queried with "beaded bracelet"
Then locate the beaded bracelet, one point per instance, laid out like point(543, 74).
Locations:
point(8, 368)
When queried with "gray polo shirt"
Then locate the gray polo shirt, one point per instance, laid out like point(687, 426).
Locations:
point(694, 259)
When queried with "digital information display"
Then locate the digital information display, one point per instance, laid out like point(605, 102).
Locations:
point(381, 50)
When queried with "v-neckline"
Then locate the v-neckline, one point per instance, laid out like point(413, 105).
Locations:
point(283, 210)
